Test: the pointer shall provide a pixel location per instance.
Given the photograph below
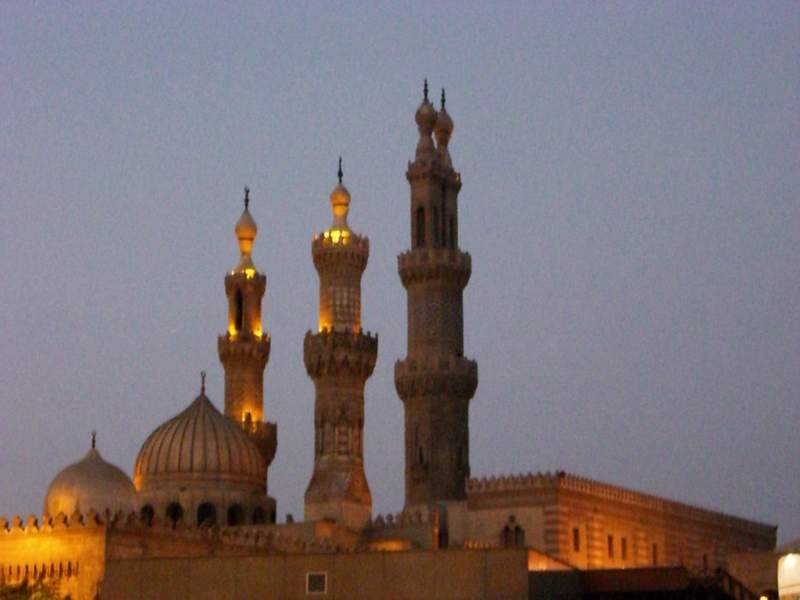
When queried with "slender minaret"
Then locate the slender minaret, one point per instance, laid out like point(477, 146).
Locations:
point(435, 381)
point(339, 358)
point(244, 348)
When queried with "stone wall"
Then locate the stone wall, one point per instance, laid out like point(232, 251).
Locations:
point(445, 574)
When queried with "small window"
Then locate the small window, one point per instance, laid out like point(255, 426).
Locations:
point(623, 548)
point(259, 516)
point(239, 323)
point(576, 539)
point(317, 582)
point(655, 554)
point(146, 514)
point(174, 513)
point(420, 227)
point(611, 546)
point(206, 514)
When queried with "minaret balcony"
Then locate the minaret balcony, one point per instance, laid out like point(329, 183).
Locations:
point(340, 352)
point(446, 375)
point(441, 264)
point(265, 436)
point(244, 345)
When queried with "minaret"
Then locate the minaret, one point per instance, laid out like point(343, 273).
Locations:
point(339, 358)
point(244, 348)
point(435, 381)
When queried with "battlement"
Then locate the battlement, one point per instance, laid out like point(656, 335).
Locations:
point(243, 344)
point(442, 264)
point(431, 166)
point(332, 352)
point(561, 480)
point(456, 376)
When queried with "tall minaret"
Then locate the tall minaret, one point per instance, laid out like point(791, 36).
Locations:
point(435, 381)
point(244, 348)
point(339, 358)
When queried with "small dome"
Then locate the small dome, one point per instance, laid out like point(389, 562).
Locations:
point(444, 127)
point(90, 483)
point(199, 446)
point(340, 202)
point(425, 116)
point(246, 228)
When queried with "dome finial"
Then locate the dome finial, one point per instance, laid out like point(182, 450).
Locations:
point(246, 197)
point(94, 439)
point(339, 172)
point(202, 383)
point(443, 99)
point(425, 90)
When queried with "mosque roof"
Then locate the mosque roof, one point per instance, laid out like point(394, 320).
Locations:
point(199, 445)
point(90, 483)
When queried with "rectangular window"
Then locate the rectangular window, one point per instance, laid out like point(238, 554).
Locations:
point(611, 546)
point(576, 539)
point(317, 582)
point(623, 548)
point(655, 554)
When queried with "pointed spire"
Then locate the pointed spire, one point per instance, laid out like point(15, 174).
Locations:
point(246, 197)
point(443, 99)
point(94, 439)
point(425, 90)
point(202, 383)
point(339, 172)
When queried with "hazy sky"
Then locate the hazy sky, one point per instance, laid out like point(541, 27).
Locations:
point(630, 201)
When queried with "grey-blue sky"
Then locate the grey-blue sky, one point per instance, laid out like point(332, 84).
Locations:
point(630, 201)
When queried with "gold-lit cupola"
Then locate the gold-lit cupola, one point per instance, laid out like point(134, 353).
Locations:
point(246, 232)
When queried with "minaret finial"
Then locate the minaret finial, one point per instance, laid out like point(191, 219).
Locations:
point(339, 172)
point(202, 383)
point(246, 197)
point(425, 89)
point(94, 439)
point(442, 98)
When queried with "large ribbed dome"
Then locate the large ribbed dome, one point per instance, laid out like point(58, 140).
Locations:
point(199, 445)
point(90, 483)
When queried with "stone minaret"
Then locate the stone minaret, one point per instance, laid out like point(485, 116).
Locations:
point(435, 381)
point(339, 358)
point(244, 348)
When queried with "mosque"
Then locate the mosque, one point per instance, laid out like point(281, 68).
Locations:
point(197, 521)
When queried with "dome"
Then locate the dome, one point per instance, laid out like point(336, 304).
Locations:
point(90, 483)
point(199, 447)
point(246, 228)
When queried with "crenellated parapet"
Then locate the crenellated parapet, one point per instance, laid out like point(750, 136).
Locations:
point(443, 265)
point(334, 353)
point(450, 376)
point(244, 347)
point(567, 482)
point(340, 251)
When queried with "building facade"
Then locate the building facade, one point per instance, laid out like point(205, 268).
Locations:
point(197, 519)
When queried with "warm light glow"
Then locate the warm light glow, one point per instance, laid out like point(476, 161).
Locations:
point(231, 329)
point(250, 272)
point(337, 236)
point(257, 332)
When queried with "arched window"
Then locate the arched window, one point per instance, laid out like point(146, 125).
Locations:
point(506, 537)
point(420, 227)
point(451, 238)
point(437, 238)
point(519, 536)
point(146, 514)
point(206, 514)
point(272, 516)
point(174, 513)
point(259, 516)
point(235, 515)
point(239, 321)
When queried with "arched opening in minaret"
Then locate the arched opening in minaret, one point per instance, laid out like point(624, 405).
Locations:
point(437, 238)
point(420, 227)
point(452, 237)
point(235, 515)
point(206, 514)
point(259, 516)
point(239, 317)
point(146, 514)
point(174, 513)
